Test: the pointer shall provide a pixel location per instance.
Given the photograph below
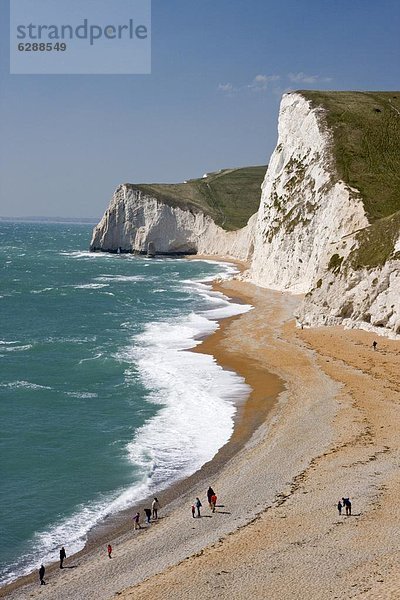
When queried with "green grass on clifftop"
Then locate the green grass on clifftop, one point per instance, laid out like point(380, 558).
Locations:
point(366, 144)
point(229, 196)
point(376, 243)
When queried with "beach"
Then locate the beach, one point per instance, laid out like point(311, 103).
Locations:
point(320, 424)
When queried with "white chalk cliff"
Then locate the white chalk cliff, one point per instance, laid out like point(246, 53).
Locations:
point(306, 231)
point(303, 213)
point(134, 220)
point(302, 240)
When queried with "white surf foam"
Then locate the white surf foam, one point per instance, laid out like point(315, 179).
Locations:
point(198, 397)
point(230, 269)
point(18, 348)
point(24, 384)
point(47, 289)
point(90, 286)
point(82, 395)
point(95, 357)
point(71, 531)
point(198, 401)
point(123, 278)
point(85, 254)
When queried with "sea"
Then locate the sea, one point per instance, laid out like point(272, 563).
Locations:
point(101, 403)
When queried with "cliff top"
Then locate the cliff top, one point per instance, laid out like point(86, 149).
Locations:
point(365, 129)
point(229, 196)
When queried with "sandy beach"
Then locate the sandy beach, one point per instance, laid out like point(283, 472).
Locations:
point(320, 424)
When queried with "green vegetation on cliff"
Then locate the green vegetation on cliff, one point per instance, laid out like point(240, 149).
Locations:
point(229, 196)
point(376, 243)
point(365, 130)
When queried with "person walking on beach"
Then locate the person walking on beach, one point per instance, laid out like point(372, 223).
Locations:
point(339, 507)
point(41, 575)
point(348, 508)
point(347, 505)
point(374, 344)
point(63, 556)
point(198, 506)
point(136, 520)
point(210, 493)
point(147, 512)
point(109, 550)
point(155, 507)
point(193, 511)
point(213, 502)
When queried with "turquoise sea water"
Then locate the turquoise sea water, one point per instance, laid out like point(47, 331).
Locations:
point(100, 404)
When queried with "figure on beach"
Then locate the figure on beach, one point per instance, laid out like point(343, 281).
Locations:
point(193, 511)
point(147, 512)
point(63, 556)
point(210, 493)
point(374, 344)
point(136, 521)
point(198, 506)
point(155, 507)
point(109, 550)
point(213, 502)
point(41, 575)
point(347, 505)
point(339, 507)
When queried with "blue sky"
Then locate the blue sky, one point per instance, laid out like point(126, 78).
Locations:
point(219, 68)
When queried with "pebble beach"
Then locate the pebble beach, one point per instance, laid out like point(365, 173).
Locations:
point(321, 423)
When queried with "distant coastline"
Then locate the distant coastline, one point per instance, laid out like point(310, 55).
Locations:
point(76, 220)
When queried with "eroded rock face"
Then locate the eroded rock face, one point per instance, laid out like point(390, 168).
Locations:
point(366, 298)
point(135, 220)
point(307, 229)
point(301, 240)
point(304, 214)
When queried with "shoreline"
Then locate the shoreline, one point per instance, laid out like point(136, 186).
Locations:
point(250, 414)
point(276, 532)
point(339, 414)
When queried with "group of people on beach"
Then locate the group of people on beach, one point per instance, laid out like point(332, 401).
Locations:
point(42, 570)
point(212, 502)
point(344, 503)
point(153, 512)
point(149, 512)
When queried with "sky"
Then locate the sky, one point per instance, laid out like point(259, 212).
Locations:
point(219, 69)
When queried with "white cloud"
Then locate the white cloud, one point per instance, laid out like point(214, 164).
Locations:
point(227, 88)
point(261, 82)
point(304, 78)
point(272, 83)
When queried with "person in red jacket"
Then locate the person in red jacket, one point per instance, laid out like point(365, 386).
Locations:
point(213, 502)
point(109, 550)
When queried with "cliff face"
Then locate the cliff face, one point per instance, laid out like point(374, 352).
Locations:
point(328, 225)
point(134, 220)
point(366, 298)
point(313, 234)
point(304, 213)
